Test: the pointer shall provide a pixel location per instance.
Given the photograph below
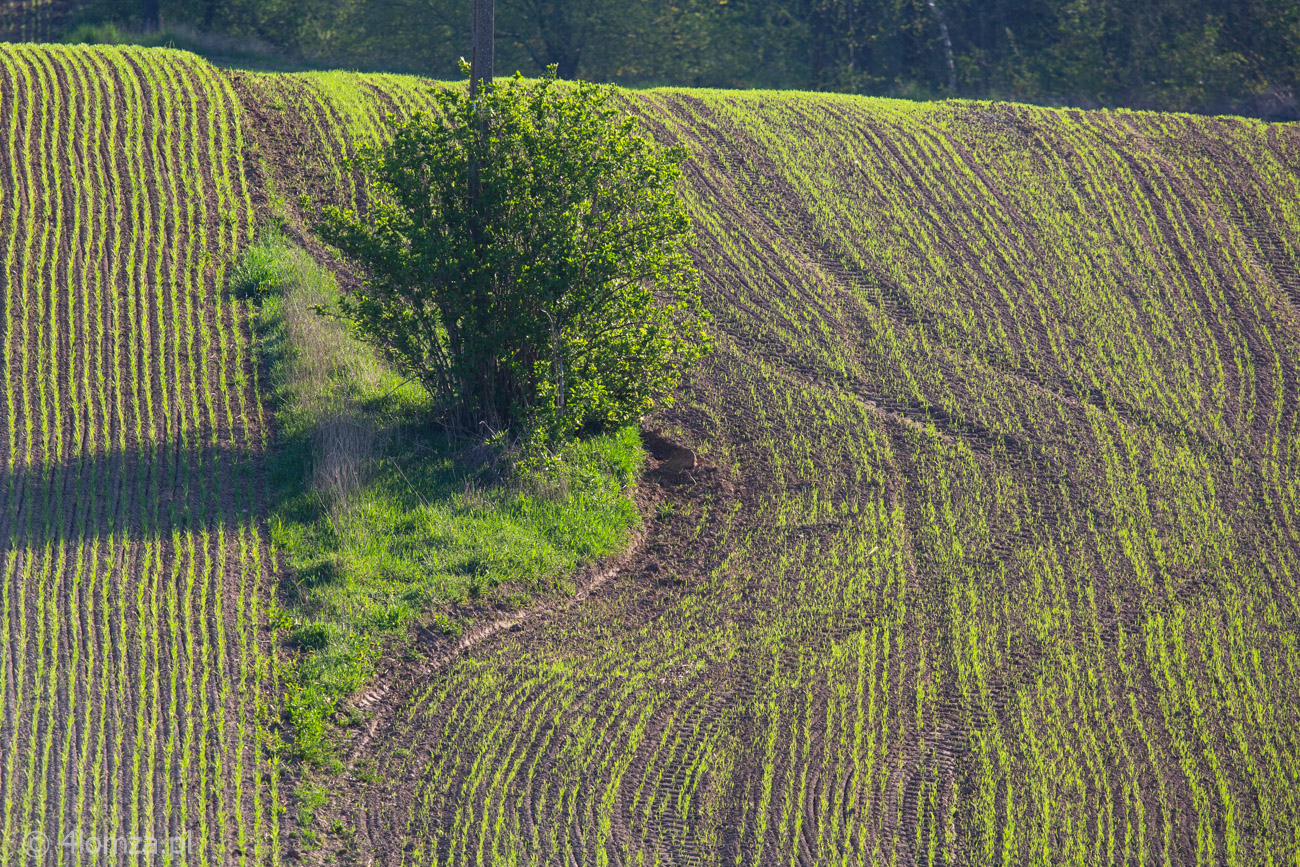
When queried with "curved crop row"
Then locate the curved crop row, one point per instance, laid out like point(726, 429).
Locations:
point(993, 555)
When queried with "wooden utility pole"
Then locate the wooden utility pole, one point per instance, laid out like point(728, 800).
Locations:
point(480, 73)
point(481, 59)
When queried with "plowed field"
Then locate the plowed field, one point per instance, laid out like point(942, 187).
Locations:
point(990, 556)
point(993, 553)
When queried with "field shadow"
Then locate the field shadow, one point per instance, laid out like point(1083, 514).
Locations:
point(145, 493)
point(411, 466)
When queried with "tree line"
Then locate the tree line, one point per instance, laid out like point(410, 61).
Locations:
point(1240, 56)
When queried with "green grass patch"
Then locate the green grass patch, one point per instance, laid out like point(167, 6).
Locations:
point(382, 521)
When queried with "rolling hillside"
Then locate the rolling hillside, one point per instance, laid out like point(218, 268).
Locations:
point(991, 555)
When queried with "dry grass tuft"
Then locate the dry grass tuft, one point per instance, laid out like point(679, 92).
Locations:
point(325, 356)
point(343, 454)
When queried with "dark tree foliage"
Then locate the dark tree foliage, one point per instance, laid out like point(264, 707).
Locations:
point(1198, 55)
point(561, 296)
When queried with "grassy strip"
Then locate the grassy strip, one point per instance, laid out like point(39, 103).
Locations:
point(382, 523)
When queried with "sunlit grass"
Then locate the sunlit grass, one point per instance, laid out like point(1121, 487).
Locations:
point(416, 527)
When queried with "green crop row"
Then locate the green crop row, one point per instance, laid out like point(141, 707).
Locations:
point(137, 684)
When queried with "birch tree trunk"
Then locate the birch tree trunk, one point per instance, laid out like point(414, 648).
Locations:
point(480, 73)
point(947, 47)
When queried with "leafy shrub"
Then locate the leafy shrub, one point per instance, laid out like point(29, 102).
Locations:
point(526, 259)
